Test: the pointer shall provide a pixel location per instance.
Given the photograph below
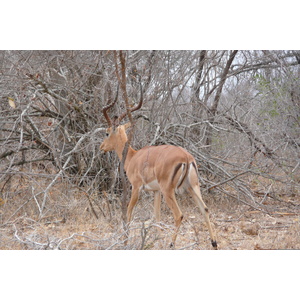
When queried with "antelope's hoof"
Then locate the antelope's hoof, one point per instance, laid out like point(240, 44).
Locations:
point(214, 244)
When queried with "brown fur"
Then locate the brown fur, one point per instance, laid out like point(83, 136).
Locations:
point(159, 169)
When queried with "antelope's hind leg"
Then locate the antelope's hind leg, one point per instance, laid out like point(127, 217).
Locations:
point(171, 201)
point(196, 195)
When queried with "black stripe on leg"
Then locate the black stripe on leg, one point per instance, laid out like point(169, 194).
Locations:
point(176, 170)
point(195, 167)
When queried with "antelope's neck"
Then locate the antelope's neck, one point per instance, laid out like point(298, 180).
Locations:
point(130, 154)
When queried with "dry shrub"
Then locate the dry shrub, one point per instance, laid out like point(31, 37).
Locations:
point(74, 219)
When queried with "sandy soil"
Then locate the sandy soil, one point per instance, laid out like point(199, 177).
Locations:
point(274, 225)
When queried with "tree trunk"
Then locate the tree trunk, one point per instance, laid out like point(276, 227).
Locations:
point(213, 110)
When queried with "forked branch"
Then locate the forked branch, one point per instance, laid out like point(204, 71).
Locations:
point(122, 82)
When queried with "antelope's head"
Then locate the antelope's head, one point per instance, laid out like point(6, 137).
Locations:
point(116, 136)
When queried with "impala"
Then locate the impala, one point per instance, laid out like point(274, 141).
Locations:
point(162, 169)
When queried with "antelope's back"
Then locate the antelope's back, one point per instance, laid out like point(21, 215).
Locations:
point(158, 162)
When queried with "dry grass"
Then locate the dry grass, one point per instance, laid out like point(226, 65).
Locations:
point(69, 223)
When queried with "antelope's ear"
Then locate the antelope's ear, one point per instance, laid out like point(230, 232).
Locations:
point(127, 125)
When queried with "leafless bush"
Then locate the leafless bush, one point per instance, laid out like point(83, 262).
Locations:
point(237, 112)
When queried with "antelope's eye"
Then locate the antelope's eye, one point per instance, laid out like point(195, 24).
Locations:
point(107, 134)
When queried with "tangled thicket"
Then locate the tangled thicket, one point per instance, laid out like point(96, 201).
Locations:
point(237, 112)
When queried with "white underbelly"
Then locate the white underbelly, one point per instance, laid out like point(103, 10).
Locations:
point(151, 186)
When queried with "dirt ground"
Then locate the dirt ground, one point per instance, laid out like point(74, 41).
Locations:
point(273, 225)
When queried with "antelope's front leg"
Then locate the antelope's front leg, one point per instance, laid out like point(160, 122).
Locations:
point(157, 202)
point(133, 200)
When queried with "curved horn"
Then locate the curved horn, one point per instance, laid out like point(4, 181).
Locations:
point(107, 107)
point(141, 98)
point(138, 106)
